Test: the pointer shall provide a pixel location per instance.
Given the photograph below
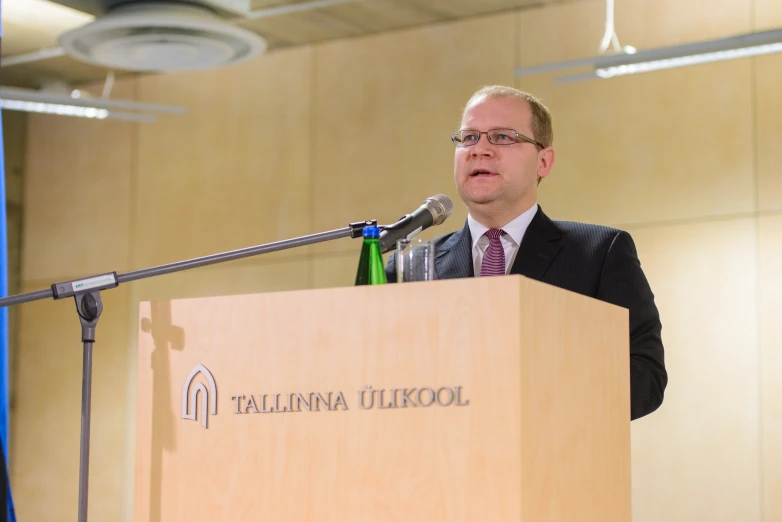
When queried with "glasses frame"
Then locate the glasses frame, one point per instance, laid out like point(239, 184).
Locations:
point(519, 138)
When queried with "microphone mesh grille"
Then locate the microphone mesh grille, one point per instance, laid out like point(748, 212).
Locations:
point(443, 207)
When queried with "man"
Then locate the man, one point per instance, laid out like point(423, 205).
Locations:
point(503, 151)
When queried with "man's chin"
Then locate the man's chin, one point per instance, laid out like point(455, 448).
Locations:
point(480, 199)
point(471, 196)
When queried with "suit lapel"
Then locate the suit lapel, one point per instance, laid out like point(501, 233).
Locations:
point(453, 259)
point(540, 245)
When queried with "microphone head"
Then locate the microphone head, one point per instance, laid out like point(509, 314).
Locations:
point(440, 206)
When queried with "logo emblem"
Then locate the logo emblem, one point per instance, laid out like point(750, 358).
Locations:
point(190, 396)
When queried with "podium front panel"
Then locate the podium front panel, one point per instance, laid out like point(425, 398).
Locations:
point(401, 402)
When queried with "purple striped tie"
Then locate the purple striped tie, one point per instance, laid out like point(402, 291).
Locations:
point(493, 263)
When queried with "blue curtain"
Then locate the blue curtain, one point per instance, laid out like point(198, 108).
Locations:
point(9, 513)
point(5, 487)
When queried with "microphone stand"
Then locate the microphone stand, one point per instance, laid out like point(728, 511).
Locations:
point(86, 293)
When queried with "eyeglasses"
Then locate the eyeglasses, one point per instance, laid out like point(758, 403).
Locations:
point(468, 138)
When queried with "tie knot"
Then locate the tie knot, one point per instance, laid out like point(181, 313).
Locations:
point(494, 233)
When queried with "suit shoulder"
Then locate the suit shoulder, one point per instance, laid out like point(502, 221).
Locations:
point(587, 230)
point(592, 239)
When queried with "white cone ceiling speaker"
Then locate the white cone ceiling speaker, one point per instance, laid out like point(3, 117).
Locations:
point(160, 36)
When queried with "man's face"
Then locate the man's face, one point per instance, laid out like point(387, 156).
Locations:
point(501, 177)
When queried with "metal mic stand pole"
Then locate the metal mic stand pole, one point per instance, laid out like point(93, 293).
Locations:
point(86, 293)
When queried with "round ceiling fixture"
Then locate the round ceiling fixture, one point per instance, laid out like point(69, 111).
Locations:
point(159, 37)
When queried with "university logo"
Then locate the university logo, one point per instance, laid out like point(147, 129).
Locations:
point(190, 393)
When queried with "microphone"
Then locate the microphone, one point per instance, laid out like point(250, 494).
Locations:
point(433, 211)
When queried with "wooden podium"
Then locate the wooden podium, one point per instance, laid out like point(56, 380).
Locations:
point(470, 400)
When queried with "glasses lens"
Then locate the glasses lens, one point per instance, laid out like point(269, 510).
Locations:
point(465, 138)
point(502, 136)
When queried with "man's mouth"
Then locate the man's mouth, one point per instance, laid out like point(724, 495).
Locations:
point(482, 173)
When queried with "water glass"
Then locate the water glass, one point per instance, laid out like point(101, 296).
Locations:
point(414, 260)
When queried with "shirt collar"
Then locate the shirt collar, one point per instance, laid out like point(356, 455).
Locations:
point(514, 229)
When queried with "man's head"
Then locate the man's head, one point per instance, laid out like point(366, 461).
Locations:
point(498, 181)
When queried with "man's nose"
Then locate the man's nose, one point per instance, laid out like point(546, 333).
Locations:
point(483, 148)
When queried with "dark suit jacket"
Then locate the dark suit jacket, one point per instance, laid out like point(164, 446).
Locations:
point(592, 260)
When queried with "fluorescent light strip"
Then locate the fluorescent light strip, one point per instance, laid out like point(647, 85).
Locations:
point(54, 108)
point(13, 93)
point(683, 61)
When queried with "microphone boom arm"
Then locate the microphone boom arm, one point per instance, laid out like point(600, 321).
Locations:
point(86, 293)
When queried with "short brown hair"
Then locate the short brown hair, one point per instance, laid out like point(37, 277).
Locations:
point(541, 117)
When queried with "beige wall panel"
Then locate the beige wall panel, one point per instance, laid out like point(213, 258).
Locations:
point(77, 194)
point(234, 171)
point(771, 358)
point(45, 427)
point(657, 146)
point(385, 109)
point(696, 458)
point(652, 147)
point(226, 279)
point(768, 78)
point(331, 270)
point(768, 14)
point(646, 24)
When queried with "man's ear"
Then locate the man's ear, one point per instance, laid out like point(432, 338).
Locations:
point(545, 162)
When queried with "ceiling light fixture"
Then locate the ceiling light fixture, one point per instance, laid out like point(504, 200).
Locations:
point(690, 59)
point(627, 60)
point(54, 108)
point(82, 106)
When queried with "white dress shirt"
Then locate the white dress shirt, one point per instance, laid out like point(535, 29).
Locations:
point(511, 239)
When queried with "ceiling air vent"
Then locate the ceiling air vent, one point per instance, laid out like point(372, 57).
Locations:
point(159, 36)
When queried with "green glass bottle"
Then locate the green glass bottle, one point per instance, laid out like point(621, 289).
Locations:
point(370, 265)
